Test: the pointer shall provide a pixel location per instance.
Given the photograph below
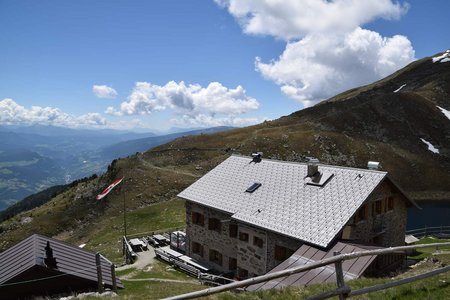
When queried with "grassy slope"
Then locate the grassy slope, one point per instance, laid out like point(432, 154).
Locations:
point(76, 216)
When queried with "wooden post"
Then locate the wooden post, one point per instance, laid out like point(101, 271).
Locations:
point(124, 213)
point(339, 276)
point(99, 272)
point(125, 250)
point(113, 277)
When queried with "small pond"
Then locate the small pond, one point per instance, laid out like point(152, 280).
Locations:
point(433, 213)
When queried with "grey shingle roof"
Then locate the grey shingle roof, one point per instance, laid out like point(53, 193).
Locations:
point(284, 202)
point(352, 268)
point(72, 260)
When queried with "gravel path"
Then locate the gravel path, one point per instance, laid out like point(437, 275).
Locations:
point(144, 259)
point(164, 280)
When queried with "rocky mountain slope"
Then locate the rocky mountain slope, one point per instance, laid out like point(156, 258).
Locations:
point(380, 122)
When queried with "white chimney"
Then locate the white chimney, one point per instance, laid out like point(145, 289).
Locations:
point(373, 165)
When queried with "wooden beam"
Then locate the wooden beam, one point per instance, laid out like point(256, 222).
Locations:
point(113, 278)
point(339, 276)
point(99, 273)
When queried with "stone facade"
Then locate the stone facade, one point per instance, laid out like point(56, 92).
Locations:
point(246, 251)
point(210, 239)
point(253, 248)
point(383, 221)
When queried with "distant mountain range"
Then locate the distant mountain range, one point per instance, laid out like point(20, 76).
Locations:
point(33, 158)
point(126, 148)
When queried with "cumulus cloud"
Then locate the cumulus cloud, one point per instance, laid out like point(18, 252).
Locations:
point(293, 19)
point(188, 99)
point(104, 91)
point(327, 51)
point(194, 105)
point(212, 121)
point(320, 66)
point(12, 113)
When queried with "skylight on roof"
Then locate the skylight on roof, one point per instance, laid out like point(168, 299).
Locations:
point(253, 187)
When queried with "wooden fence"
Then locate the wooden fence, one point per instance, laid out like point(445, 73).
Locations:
point(421, 232)
point(342, 290)
point(127, 251)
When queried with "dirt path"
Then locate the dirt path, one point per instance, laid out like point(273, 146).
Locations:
point(147, 164)
point(164, 280)
point(144, 259)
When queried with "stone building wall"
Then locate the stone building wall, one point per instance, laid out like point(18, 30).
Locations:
point(210, 239)
point(253, 257)
point(280, 240)
point(382, 229)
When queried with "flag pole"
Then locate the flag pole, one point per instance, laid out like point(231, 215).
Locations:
point(124, 212)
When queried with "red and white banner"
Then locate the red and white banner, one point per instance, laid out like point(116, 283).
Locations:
point(108, 189)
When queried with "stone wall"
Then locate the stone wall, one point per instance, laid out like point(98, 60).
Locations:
point(385, 229)
point(254, 258)
point(210, 239)
point(281, 240)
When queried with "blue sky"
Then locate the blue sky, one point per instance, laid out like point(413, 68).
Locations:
point(162, 64)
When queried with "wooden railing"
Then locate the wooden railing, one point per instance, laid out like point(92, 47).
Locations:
point(421, 232)
point(343, 291)
point(127, 251)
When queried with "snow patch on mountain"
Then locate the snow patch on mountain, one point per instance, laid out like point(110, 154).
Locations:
point(442, 58)
point(445, 112)
point(398, 90)
point(430, 146)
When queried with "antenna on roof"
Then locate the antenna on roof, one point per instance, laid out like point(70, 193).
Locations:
point(257, 157)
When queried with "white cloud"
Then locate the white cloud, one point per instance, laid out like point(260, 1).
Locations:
point(191, 99)
point(322, 65)
point(293, 19)
point(327, 51)
point(104, 91)
point(211, 121)
point(13, 113)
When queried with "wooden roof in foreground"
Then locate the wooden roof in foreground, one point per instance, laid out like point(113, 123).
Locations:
point(352, 268)
point(24, 262)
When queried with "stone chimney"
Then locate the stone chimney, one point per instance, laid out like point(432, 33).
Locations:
point(313, 167)
point(257, 157)
point(49, 260)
